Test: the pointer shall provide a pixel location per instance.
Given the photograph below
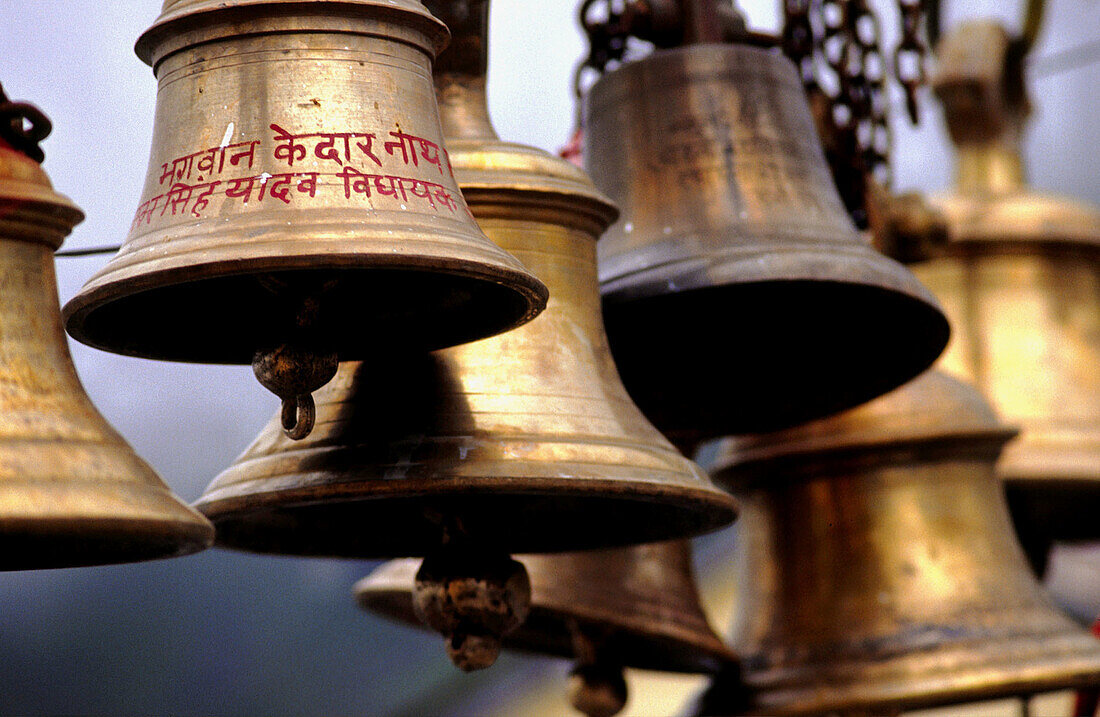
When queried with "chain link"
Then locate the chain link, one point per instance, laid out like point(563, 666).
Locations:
point(910, 54)
point(836, 45)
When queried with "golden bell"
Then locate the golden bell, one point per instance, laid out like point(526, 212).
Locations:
point(732, 232)
point(878, 570)
point(72, 492)
point(525, 442)
point(1019, 277)
point(605, 609)
point(299, 206)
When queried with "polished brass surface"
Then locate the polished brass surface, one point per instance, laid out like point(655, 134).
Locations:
point(639, 606)
point(298, 194)
point(525, 442)
point(1019, 278)
point(878, 570)
point(71, 491)
point(730, 218)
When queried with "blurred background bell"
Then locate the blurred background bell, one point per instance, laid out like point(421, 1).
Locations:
point(72, 492)
point(877, 566)
point(1019, 277)
point(525, 442)
point(603, 609)
point(299, 205)
point(738, 294)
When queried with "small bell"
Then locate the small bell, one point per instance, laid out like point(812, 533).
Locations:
point(72, 492)
point(525, 442)
point(299, 207)
point(733, 234)
point(1019, 277)
point(878, 571)
point(605, 609)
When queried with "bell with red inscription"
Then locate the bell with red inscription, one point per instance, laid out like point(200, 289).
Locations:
point(525, 442)
point(299, 207)
point(72, 493)
point(738, 294)
point(604, 609)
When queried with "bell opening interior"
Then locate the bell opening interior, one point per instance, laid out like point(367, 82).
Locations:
point(226, 319)
point(788, 352)
point(516, 521)
point(40, 544)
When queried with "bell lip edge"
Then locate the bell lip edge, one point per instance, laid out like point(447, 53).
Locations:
point(76, 311)
point(689, 656)
point(712, 509)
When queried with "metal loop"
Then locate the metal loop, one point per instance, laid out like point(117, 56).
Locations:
point(298, 416)
point(23, 126)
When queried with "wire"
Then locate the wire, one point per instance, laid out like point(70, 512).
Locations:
point(90, 251)
point(1069, 59)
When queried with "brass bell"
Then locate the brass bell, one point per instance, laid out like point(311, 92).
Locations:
point(299, 206)
point(732, 232)
point(525, 442)
point(1019, 277)
point(605, 609)
point(72, 492)
point(878, 570)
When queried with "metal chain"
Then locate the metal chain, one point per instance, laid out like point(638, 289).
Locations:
point(910, 54)
point(23, 126)
point(836, 45)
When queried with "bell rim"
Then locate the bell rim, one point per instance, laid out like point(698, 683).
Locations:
point(1076, 664)
point(924, 335)
point(676, 648)
point(104, 290)
point(261, 518)
point(972, 221)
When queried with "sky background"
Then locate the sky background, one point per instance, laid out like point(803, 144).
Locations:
point(229, 633)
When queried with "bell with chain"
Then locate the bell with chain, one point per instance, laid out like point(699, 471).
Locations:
point(525, 442)
point(72, 492)
point(738, 294)
point(878, 570)
point(299, 207)
point(605, 609)
point(1019, 276)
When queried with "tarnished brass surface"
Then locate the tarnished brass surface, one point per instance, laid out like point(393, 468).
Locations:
point(1019, 278)
point(71, 491)
point(639, 604)
point(878, 568)
point(730, 219)
point(298, 176)
point(526, 442)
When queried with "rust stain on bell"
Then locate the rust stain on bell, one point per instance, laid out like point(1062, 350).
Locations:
point(738, 295)
point(877, 567)
point(72, 492)
point(1019, 276)
point(299, 199)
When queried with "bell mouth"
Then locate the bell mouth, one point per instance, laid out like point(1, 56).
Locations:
point(792, 350)
point(211, 314)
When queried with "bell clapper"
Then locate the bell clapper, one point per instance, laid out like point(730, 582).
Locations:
point(295, 368)
point(597, 687)
point(474, 596)
point(293, 373)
